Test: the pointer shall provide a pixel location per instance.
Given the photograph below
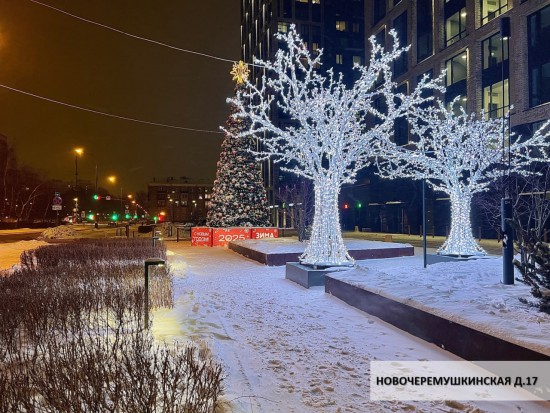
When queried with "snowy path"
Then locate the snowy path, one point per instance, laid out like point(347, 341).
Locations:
point(285, 348)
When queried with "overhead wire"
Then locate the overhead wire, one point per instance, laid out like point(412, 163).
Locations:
point(106, 113)
point(133, 35)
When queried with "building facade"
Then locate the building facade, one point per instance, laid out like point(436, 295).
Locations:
point(179, 201)
point(496, 54)
point(496, 57)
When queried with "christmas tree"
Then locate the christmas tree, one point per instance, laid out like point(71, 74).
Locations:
point(238, 197)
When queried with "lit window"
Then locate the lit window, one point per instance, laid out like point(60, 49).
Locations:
point(455, 27)
point(341, 25)
point(456, 81)
point(539, 56)
point(492, 51)
point(492, 8)
point(495, 99)
point(357, 60)
point(316, 1)
point(339, 59)
point(302, 1)
point(315, 47)
point(282, 27)
point(457, 68)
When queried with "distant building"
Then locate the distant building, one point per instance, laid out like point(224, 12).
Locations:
point(179, 201)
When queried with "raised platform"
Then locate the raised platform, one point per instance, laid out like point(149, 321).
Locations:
point(436, 258)
point(460, 339)
point(279, 251)
point(307, 276)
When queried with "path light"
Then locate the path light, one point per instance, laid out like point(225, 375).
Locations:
point(156, 262)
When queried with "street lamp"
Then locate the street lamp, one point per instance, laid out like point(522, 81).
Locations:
point(506, 203)
point(78, 152)
point(156, 262)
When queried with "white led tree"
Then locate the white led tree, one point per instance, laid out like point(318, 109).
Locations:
point(460, 154)
point(328, 138)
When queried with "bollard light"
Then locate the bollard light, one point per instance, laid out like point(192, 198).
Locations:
point(156, 262)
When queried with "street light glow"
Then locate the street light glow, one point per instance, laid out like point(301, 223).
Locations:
point(112, 179)
point(79, 151)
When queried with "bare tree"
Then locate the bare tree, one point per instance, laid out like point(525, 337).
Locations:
point(298, 198)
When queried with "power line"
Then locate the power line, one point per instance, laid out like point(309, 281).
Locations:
point(133, 35)
point(105, 113)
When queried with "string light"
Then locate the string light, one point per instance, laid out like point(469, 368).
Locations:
point(460, 154)
point(328, 140)
point(97, 112)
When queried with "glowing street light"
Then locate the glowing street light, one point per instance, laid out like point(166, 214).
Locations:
point(78, 152)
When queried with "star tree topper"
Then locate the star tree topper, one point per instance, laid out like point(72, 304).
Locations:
point(240, 72)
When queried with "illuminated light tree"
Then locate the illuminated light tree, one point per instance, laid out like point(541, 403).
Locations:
point(460, 154)
point(329, 138)
point(238, 195)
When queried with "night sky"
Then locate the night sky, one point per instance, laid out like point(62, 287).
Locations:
point(48, 53)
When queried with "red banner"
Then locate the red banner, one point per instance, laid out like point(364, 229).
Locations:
point(222, 236)
point(261, 233)
point(201, 237)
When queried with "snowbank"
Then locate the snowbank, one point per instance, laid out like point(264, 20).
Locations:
point(59, 233)
point(10, 252)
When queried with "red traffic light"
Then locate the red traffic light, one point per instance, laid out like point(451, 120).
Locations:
point(346, 206)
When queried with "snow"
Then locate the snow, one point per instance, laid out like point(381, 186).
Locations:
point(285, 348)
point(10, 252)
point(469, 292)
point(291, 245)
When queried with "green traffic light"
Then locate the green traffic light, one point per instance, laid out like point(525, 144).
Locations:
point(96, 197)
point(359, 205)
point(127, 216)
point(114, 217)
point(91, 217)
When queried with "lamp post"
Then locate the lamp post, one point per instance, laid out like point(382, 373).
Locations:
point(424, 242)
point(156, 262)
point(424, 254)
point(77, 152)
point(506, 202)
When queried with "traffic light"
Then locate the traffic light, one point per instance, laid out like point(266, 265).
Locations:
point(114, 217)
point(127, 216)
point(346, 206)
point(97, 197)
point(359, 205)
point(91, 217)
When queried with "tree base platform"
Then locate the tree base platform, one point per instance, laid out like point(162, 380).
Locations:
point(459, 339)
point(308, 276)
point(279, 251)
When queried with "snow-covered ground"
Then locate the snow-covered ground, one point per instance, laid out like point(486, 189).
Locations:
point(285, 348)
